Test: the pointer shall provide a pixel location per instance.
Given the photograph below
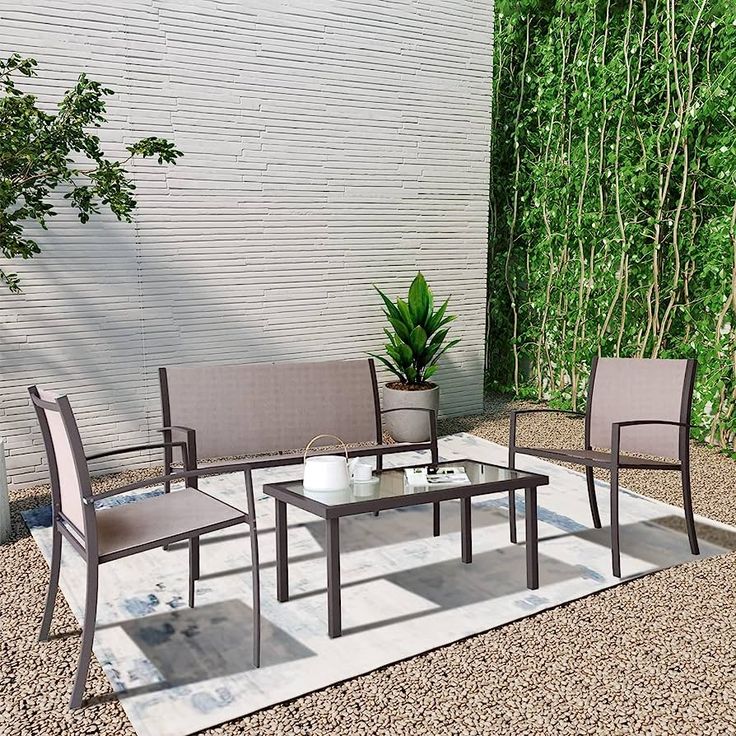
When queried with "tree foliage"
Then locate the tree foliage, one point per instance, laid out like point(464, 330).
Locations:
point(40, 151)
point(613, 195)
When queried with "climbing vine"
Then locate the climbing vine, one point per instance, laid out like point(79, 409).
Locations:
point(613, 196)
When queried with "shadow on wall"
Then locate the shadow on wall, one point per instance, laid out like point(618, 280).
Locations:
point(98, 326)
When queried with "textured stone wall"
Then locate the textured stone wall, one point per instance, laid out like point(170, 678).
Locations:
point(328, 145)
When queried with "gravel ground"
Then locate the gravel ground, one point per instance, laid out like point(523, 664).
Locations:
point(654, 656)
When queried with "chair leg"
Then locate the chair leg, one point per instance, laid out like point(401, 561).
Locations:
point(48, 612)
point(88, 635)
point(167, 466)
point(615, 542)
point(512, 516)
point(590, 478)
point(193, 567)
point(687, 500)
point(256, 596)
point(512, 494)
point(255, 569)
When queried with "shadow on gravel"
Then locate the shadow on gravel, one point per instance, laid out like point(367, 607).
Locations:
point(17, 507)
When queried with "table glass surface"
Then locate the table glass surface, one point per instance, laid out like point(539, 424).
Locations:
point(392, 482)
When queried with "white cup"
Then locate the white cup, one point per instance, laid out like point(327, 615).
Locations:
point(362, 472)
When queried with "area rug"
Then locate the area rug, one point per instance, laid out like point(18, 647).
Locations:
point(178, 670)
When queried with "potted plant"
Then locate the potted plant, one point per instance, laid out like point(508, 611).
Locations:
point(415, 344)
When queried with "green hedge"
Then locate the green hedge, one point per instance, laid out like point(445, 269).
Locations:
point(613, 196)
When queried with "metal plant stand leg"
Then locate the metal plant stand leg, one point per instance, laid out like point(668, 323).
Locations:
point(436, 519)
point(334, 613)
point(532, 538)
point(590, 478)
point(512, 516)
point(466, 531)
point(282, 554)
point(88, 635)
point(687, 500)
point(615, 541)
point(48, 612)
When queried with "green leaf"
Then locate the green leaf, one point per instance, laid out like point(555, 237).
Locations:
point(418, 300)
point(434, 321)
point(430, 371)
point(395, 370)
point(405, 354)
point(417, 340)
point(393, 312)
point(405, 314)
point(449, 345)
point(401, 329)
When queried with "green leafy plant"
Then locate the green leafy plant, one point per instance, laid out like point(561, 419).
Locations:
point(416, 341)
point(613, 196)
point(40, 152)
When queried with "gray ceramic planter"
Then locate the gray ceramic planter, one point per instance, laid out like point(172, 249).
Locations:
point(409, 426)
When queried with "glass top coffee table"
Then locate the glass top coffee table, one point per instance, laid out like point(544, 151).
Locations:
point(390, 490)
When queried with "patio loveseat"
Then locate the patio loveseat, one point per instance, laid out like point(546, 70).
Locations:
point(268, 411)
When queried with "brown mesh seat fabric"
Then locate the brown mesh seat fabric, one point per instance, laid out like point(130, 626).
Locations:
point(170, 516)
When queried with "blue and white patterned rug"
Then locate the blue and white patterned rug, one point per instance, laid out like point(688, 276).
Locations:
point(178, 670)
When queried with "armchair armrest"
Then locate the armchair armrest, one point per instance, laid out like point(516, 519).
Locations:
point(616, 428)
point(178, 428)
point(516, 412)
point(409, 408)
point(172, 477)
point(191, 439)
point(136, 448)
point(636, 422)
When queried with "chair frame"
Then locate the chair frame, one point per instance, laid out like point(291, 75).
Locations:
point(616, 461)
point(85, 541)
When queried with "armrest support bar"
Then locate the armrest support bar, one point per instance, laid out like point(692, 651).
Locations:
point(172, 477)
point(135, 448)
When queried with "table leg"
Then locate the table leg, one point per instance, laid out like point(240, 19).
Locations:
point(436, 519)
point(334, 614)
point(282, 553)
point(532, 538)
point(465, 531)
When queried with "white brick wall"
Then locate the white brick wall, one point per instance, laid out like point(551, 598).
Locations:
point(329, 145)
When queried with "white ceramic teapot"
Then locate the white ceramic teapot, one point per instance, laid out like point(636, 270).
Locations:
point(328, 472)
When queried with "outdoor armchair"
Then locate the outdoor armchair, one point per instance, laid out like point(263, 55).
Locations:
point(639, 406)
point(103, 534)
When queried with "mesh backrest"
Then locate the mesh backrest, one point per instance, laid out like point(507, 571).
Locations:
point(70, 491)
point(267, 407)
point(626, 389)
